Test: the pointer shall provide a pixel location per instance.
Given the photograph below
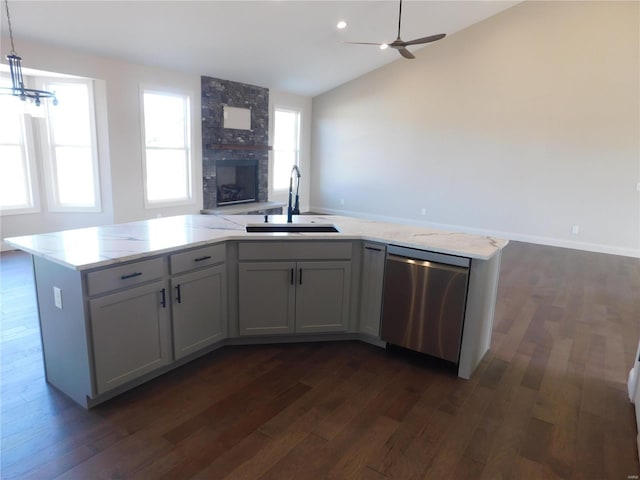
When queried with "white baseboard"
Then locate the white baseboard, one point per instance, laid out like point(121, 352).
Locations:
point(554, 242)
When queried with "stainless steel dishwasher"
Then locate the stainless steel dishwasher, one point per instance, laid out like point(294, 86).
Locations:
point(424, 301)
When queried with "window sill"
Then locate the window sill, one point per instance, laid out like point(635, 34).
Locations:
point(75, 210)
point(181, 203)
point(18, 211)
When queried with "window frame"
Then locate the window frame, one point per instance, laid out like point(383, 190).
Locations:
point(187, 97)
point(29, 164)
point(272, 170)
point(48, 151)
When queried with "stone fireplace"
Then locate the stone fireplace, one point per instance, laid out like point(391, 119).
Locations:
point(235, 162)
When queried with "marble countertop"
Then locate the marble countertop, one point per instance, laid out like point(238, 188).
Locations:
point(93, 247)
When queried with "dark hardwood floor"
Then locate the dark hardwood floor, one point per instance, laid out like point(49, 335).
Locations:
point(548, 401)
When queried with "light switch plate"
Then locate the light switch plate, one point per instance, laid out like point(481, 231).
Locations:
point(57, 297)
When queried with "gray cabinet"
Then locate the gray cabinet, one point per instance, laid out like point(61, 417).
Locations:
point(322, 296)
point(139, 325)
point(199, 309)
point(198, 298)
point(372, 283)
point(288, 297)
point(266, 297)
point(130, 334)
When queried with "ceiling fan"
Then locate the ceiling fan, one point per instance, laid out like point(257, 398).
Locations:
point(399, 44)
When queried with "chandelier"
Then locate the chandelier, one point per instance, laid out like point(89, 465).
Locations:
point(17, 88)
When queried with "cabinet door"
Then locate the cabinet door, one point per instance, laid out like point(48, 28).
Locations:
point(199, 302)
point(266, 297)
point(372, 281)
point(130, 334)
point(322, 296)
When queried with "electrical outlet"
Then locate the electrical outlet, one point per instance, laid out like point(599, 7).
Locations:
point(423, 211)
point(638, 186)
point(575, 229)
point(342, 201)
point(57, 297)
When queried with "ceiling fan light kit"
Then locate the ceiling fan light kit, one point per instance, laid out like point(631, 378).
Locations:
point(401, 45)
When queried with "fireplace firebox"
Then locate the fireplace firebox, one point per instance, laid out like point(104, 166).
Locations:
point(237, 181)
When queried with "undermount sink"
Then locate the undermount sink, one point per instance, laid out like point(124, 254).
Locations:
point(291, 227)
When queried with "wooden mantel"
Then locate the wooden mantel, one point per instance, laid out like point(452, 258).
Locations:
point(237, 146)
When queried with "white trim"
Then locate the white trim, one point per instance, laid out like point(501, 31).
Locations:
point(31, 172)
point(553, 242)
point(276, 194)
point(48, 152)
point(188, 134)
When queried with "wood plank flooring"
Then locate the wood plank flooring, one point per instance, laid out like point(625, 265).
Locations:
point(548, 401)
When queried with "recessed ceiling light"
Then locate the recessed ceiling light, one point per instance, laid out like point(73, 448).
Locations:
point(384, 46)
point(341, 25)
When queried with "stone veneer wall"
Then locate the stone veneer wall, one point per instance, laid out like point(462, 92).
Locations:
point(215, 94)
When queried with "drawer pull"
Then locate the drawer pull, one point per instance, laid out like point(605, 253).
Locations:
point(131, 275)
point(374, 249)
point(200, 259)
point(164, 298)
point(179, 295)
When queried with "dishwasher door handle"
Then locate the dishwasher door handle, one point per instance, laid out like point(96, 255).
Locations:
point(426, 263)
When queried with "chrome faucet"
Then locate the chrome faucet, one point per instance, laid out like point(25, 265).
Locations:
point(295, 209)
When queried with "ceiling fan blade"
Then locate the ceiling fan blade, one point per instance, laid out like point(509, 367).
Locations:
point(400, 45)
point(429, 39)
point(405, 53)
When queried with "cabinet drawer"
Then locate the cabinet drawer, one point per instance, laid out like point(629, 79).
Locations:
point(297, 250)
point(200, 257)
point(124, 276)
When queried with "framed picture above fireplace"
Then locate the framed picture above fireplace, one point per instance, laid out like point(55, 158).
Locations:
point(237, 118)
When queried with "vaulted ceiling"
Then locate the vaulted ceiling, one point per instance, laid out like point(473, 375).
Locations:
point(292, 46)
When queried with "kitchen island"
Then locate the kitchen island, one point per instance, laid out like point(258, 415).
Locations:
point(121, 304)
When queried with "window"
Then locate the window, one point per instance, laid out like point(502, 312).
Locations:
point(71, 156)
point(18, 185)
point(60, 140)
point(17, 173)
point(286, 146)
point(167, 148)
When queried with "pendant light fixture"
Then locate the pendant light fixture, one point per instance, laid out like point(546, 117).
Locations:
point(17, 88)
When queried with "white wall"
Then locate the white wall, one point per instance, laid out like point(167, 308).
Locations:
point(119, 132)
point(303, 104)
point(520, 126)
